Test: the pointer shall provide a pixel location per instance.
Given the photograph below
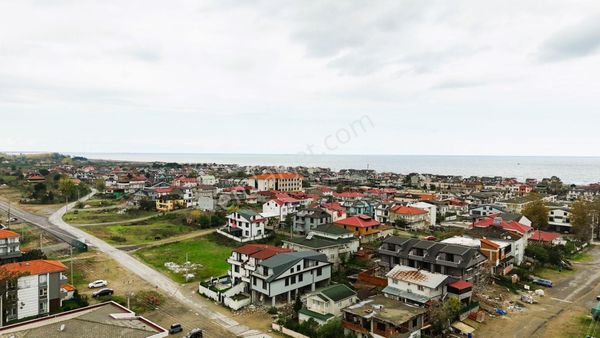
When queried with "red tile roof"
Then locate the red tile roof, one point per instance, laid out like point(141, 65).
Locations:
point(507, 225)
point(8, 234)
point(460, 284)
point(348, 194)
point(161, 190)
point(35, 267)
point(67, 287)
point(544, 236)
point(260, 251)
point(359, 221)
point(269, 176)
point(404, 210)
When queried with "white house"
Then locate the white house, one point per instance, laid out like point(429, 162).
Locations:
point(560, 219)
point(327, 303)
point(208, 180)
point(430, 208)
point(243, 261)
point(280, 207)
point(244, 225)
point(286, 275)
point(415, 286)
point(276, 181)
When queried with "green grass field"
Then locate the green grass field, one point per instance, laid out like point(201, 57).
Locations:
point(139, 232)
point(102, 216)
point(101, 202)
point(210, 251)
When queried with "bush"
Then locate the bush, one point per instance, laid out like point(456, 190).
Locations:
point(272, 311)
point(118, 239)
point(76, 302)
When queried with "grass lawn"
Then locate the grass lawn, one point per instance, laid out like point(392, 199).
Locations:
point(577, 327)
point(582, 256)
point(102, 216)
point(101, 202)
point(211, 251)
point(139, 232)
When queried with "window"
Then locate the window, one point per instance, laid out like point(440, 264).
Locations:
point(300, 277)
point(293, 279)
point(415, 322)
point(319, 271)
point(421, 288)
point(292, 271)
point(43, 292)
point(264, 284)
point(254, 281)
point(287, 281)
point(380, 326)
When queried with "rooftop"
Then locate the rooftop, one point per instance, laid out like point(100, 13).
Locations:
point(35, 267)
point(416, 276)
point(385, 309)
point(360, 221)
point(107, 319)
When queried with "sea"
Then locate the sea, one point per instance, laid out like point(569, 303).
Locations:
point(571, 170)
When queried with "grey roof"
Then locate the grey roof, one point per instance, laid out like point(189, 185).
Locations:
point(337, 292)
point(331, 229)
point(317, 242)
point(283, 261)
point(403, 294)
point(313, 213)
point(470, 256)
point(247, 213)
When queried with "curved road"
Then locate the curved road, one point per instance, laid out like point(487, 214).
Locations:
point(55, 225)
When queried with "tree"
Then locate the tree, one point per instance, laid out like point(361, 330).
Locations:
point(580, 220)
point(67, 188)
point(536, 210)
point(194, 216)
point(32, 255)
point(297, 305)
point(100, 185)
point(444, 313)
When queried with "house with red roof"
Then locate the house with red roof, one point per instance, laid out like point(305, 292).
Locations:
point(410, 217)
point(9, 246)
point(188, 182)
point(335, 209)
point(280, 207)
point(36, 287)
point(547, 237)
point(276, 181)
point(243, 261)
point(366, 228)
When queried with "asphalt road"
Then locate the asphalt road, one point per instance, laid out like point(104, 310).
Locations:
point(214, 323)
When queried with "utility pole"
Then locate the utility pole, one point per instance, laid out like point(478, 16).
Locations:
point(71, 250)
point(41, 248)
point(8, 223)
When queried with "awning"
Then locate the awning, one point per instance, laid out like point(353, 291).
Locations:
point(463, 328)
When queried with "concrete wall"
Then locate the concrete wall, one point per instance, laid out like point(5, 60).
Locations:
point(27, 295)
point(287, 332)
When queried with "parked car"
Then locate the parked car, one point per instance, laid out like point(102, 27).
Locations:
point(598, 297)
point(97, 284)
point(12, 219)
point(543, 282)
point(175, 328)
point(430, 238)
point(194, 333)
point(103, 292)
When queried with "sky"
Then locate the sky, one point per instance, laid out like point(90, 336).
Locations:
point(327, 77)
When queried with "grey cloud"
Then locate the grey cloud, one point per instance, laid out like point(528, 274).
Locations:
point(572, 42)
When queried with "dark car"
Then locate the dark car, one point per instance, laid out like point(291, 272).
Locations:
point(103, 292)
point(195, 333)
point(543, 282)
point(175, 328)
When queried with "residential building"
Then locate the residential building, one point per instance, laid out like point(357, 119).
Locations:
point(208, 180)
point(457, 261)
point(335, 209)
point(276, 181)
point(546, 237)
point(286, 275)
point(486, 210)
point(107, 319)
point(187, 182)
point(327, 303)
point(418, 287)
point(410, 217)
point(169, 203)
point(559, 218)
point(244, 225)
point(382, 211)
point(336, 243)
point(36, 290)
point(9, 246)
point(364, 227)
point(280, 207)
point(358, 207)
point(308, 219)
point(380, 316)
point(431, 209)
point(243, 261)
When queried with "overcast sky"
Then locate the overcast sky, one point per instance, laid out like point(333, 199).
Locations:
point(336, 77)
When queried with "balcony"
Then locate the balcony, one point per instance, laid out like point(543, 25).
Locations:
point(354, 327)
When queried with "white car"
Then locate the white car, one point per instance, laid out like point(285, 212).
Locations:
point(98, 284)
